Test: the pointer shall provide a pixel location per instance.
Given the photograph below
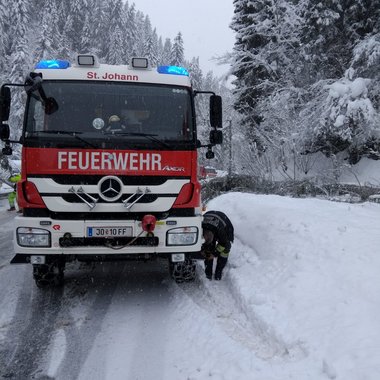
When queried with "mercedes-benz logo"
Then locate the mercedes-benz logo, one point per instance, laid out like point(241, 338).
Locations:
point(110, 188)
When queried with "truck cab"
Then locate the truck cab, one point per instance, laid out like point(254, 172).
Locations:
point(109, 166)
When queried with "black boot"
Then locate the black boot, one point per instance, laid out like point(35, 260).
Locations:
point(221, 263)
point(208, 268)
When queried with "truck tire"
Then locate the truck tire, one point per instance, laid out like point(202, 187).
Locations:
point(183, 271)
point(48, 275)
point(41, 275)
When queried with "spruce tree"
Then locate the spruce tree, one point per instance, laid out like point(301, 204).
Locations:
point(75, 23)
point(131, 32)
point(324, 40)
point(19, 60)
point(196, 74)
point(177, 55)
point(49, 37)
point(167, 52)
point(4, 39)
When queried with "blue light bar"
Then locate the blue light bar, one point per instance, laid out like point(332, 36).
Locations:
point(174, 70)
point(53, 64)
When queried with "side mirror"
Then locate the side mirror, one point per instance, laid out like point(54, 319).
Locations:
point(7, 150)
point(210, 154)
point(216, 137)
point(51, 106)
point(5, 103)
point(33, 82)
point(4, 132)
point(216, 115)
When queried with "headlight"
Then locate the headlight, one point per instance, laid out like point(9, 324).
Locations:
point(182, 236)
point(33, 237)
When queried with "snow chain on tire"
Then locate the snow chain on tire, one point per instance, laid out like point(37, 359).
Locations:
point(48, 275)
point(184, 272)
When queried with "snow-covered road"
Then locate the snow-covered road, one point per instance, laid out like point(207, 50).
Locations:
point(299, 300)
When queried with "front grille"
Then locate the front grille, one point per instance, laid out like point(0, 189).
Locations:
point(110, 242)
point(147, 198)
point(94, 179)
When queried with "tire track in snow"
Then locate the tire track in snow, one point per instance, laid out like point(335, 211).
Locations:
point(140, 296)
point(6, 238)
point(31, 329)
point(218, 298)
point(153, 311)
point(98, 288)
point(274, 277)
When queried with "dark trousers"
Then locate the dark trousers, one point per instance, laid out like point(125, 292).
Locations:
point(220, 264)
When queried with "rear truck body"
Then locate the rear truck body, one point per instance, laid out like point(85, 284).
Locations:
point(109, 166)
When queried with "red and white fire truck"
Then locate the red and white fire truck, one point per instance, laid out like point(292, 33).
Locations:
point(109, 165)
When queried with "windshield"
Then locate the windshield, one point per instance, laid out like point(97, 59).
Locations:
point(112, 112)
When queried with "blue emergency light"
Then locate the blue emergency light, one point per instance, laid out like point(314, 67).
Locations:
point(53, 64)
point(174, 70)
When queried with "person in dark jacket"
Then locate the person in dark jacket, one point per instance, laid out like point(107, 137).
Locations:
point(218, 233)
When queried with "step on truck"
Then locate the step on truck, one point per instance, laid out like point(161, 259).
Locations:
point(109, 165)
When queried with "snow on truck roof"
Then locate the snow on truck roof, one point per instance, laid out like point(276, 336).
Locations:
point(87, 67)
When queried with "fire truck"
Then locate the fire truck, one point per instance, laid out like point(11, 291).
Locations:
point(109, 165)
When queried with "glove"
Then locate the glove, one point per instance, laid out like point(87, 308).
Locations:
point(207, 251)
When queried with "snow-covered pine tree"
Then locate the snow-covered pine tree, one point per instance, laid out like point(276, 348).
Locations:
point(75, 22)
point(131, 34)
point(160, 50)
point(196, 74)
point(19, 60)
point(324, 41)
point(93, 27)
point(4, 39)
point(307, 78)
point(116, 55)
point(167, 52)
point(264, 62)
point(150, 43)
point(177, 55)
point(49, 36)
point(115, 49)
point(86, 44)
point(343, 110)
point(140, 38)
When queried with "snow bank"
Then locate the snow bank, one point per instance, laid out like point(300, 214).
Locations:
point(306, 271)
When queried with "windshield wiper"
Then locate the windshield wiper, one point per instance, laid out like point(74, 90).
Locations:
point(74, 134)
point(150, 136)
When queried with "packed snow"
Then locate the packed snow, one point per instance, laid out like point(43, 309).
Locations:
point(299, 300)
point(5, 189)
point(303, 276)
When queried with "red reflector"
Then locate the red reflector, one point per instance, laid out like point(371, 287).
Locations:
point(29, 195)
point(185, 194)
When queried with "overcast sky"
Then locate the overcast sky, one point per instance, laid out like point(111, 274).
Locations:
point(204, 25)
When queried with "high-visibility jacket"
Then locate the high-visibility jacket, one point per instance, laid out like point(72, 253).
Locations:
point(14, 179)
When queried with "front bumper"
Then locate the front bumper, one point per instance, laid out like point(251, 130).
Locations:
point(71, 237)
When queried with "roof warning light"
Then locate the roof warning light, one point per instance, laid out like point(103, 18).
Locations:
point(174, 70)
point(52, 64)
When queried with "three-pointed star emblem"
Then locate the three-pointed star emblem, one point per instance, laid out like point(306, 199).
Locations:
point(110, 188)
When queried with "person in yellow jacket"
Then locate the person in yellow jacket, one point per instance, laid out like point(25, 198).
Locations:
point(13, 179)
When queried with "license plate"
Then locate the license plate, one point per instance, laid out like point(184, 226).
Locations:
point(109, 231)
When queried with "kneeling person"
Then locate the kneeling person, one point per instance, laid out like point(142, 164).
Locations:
point(218, 233)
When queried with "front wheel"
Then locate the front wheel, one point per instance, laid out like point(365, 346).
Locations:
point(183, 271)
point(48, 274)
